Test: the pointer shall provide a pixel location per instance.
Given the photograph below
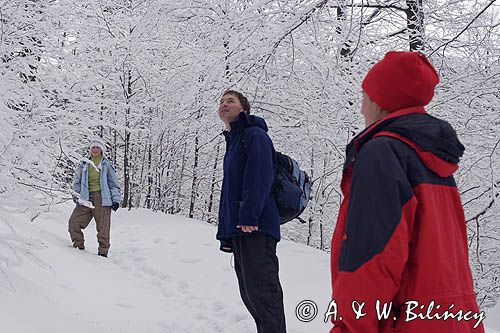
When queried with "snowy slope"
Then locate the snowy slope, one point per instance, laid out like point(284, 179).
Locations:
point(164, 274)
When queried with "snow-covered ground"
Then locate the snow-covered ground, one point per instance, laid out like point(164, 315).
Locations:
point(164, 274)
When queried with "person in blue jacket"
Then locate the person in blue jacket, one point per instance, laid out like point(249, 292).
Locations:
point(96, 191)
point(249, 223)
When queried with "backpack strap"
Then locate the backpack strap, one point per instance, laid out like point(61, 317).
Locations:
point(243, 138)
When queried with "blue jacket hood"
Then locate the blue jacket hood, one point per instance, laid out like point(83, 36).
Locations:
point(246, 120)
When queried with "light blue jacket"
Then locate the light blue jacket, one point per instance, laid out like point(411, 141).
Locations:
point(110, 186)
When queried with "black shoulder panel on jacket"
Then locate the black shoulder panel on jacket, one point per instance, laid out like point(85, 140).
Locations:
point(379, 190)
point(384, 175)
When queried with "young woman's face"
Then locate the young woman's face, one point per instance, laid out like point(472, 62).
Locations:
point(95, 151)
point(229, 108)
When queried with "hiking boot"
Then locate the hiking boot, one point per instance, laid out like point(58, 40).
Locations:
point(80, 247)
point(105, 255)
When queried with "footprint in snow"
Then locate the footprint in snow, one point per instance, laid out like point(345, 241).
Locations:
point(126, 306)
point(190, 260)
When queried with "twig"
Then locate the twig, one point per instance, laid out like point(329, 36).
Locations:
point(486, 209)
point(464, 29)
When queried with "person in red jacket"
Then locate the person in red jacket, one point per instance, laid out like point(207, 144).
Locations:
point(400, 243)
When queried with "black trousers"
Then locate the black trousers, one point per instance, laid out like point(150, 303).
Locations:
point(256, 266)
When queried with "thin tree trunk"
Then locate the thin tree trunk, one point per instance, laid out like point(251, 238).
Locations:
point(126, 171)
point(115, 147)
point(310, 219)
point(181, 178)
point(415, 23)
point(345, 51)
point(194, 183)
point(160, 170)
point(321, 242)
point(212, 186)
point(126, 166)
point(150, 177)
point(101, 128)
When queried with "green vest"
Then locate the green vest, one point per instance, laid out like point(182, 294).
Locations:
point(94, 176)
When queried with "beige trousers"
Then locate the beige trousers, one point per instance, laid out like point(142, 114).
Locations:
point(81, 217)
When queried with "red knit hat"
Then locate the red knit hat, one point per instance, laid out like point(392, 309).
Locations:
point(401, 80)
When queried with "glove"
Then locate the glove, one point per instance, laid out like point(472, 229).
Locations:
point(75, 199)
point(115, 206)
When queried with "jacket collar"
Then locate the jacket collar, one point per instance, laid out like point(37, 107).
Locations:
point(433, 139)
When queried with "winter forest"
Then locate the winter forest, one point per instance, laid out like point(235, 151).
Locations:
point(147, 76)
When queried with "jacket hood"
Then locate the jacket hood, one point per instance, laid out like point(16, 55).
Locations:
point(434, 140)
point(246, 120)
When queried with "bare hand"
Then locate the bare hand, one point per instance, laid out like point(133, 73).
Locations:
point(247, 228)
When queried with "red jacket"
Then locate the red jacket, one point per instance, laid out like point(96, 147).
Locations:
point(401, 236)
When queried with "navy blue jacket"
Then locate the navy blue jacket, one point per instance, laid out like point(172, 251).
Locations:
point(249, 171)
